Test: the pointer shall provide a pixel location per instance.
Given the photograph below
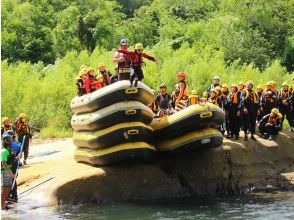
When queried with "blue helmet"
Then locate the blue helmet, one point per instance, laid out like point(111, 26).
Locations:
point(124, 42)
point(6, 139)
point(10, 132)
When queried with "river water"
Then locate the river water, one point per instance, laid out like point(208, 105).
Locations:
point(274, 206)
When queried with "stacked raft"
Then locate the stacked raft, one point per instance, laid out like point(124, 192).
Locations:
point(111, 124)
point(190, 129)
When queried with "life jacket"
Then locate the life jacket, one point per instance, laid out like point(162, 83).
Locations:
point(283, 95)
point(106, 77)
point(235, 97)
point(126, 63)
point(185, 92)
point(193, 99)
point(22, 127)
point(250, 96)
point(163, 101)
point(273, 120)
point(269, 98)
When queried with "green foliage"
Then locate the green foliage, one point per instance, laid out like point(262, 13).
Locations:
point(45, 42)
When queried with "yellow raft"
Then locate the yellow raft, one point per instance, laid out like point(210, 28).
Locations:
point(128, 152)
point(130, 111)
point(189, 119)
point(117, 92)
point(207, 138)
point(121, 133)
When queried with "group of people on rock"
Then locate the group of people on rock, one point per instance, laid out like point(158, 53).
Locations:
point(128, 67)
point(15, 141)
point(244, 107)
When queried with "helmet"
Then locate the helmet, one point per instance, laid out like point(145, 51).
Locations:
point(285, 84)
point(83, 72)
point(90, 69)
point(6, 138)
point(204, 94)
point(194, 92)
point(249, 82)
point(275, 111)
point(218, 88)
point(22, 115)
point(241, 83)
point(182, 73)
point(225, 86)
point(216, 77)
point(234, 85)
point(162, 86)
point(273, 82)
point(124, 42)
point(269, 83)
point(259, 87)
point(83, 67)
point(4, 119)
point(10, 132)
point(139, 46)
point(101, 65)
point(214, 90)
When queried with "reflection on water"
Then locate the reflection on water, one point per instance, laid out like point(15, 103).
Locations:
point(257, 206)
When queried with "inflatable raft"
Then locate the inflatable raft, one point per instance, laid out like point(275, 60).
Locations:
point(116, 92)
point(114, 135)
point(130, 111)
point(189, 119)
point(207, 138)
point(129, 152)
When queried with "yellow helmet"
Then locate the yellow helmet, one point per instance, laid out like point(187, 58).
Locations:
point(4, 119)
point(273, 82)
point(259, 87)
point(22, 115)
point(269, 83)
point(249, 82)
point(241, 83)
point(139, 46)
point(83, 72)
point(234, 85)
point(90, 69)
point(83, 67)
point(285, 84)
point(204, 94)
point(275, 111)
point(280, 115)
point(101, 65)
point(215, 91)
point(194, 92)
point(225, 86)
point(218, 88)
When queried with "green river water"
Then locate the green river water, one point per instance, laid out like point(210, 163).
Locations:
point(256, 206)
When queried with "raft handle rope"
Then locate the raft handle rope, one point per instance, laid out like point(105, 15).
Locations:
point(30, 190)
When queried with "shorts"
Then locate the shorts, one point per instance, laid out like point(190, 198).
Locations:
point(6, 180)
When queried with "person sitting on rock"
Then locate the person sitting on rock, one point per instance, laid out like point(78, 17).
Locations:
point(6, 125)
point(105, 73)
point(270, 124)
point(163, 101)
point(193, 98)
point(182, 99)
point(136, 58)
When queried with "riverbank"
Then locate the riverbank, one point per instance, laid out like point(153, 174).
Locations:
point(234, 168)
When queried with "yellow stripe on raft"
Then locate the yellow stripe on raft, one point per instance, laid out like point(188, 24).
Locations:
point(101, 152)
point(170, 144)
point(157, 124)
point(86, 136)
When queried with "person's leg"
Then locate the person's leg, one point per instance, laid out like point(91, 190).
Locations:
point(252, 122)
point(245, 124)
point(6, 183)
point(26, 150)
point(289, 117)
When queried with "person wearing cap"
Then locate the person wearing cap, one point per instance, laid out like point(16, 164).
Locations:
point(269, 100)
point(285, 99)
point(224, 105)
point(15, 154)
point(80, 82)
point(163, 101)
point(182, 99)
point(249, 110)
point(7, 175)
point(105, 73)
point(215, 83)
point(241, 86)
point(6, 125)
point(136, 58)
point(193, 98)
point(234, 112)
point(23, 130)
point(270, 125)
point(89, 80)
point(123, 61)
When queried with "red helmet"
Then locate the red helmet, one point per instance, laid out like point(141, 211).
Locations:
point(182, 73)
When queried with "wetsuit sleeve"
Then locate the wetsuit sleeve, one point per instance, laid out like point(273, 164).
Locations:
point(148, 57)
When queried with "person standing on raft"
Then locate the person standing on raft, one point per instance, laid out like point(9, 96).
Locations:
point(136, 62)
point(123, 66)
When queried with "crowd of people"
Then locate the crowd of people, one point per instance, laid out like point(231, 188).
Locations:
point(15, 142)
